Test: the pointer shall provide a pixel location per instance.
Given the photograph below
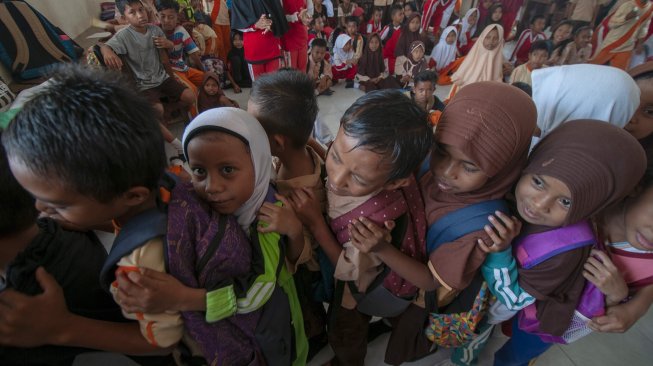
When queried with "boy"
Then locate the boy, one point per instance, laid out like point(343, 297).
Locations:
point(527, 38)
point(422, 92)
point(390, 36)
point(371, 190)
point(138, 43)
point(537, 56)
point(357, 42)
point(319, 69)
point(374, 25)
point(108, 170)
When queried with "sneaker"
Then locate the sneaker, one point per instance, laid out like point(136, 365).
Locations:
point(349, 84)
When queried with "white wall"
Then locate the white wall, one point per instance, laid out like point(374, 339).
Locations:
point(72, 16)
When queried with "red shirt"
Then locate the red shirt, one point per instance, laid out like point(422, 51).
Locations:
point(260, 47)
point(297, 36)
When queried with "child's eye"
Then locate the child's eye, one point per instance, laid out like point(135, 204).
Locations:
point(198, 172)
point(565, 202)
point(228, 170)
point(648, 111)
point(359, 181)
point(470, 168)
point(537, 182)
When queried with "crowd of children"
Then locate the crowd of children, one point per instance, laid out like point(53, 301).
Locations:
point(446, 218)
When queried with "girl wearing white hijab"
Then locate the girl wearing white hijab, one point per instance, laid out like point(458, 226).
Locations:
point(468, 29)
point(343, 56)
point(445, 52)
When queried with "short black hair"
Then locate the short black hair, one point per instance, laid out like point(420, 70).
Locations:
point(287, 104)
point(121, 4)
point(318, 42)
point(377, 9)
point(536, 17)
point(540, 45)
point(395, 8)
point(352, 19)
point(523, 87)
point(167, 4)
point(90, 130)
point(387, 122)
point(426, 76)
point(17, 211)
point(412, 5)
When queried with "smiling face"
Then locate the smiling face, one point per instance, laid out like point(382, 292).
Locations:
point(211, 87)
point(168, 19)
point(455, 172)
point(583, 38)
point(638, 221)
point(563, 32)
point(641, 125)
point(222, 170)
point(408, 10)
point(491, 40)
point(238, 41)
point(543, 200)
point(136, 15)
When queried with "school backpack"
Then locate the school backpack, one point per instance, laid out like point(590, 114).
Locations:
point(531, 250)
point(29, 43)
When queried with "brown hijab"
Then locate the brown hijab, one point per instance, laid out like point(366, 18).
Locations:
point(205, 101)
point(371, 63)
point(407, 37)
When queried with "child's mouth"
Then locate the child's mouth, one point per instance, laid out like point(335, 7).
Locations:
point(641, 239)
point(445, 187)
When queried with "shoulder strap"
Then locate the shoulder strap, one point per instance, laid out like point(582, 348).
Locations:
point(531, 250)
point(461, 222)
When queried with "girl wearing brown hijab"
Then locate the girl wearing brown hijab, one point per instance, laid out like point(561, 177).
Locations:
point(211, 95)
point(407, 67)
point(372, 72)
point(574, 173)
point(409, 34)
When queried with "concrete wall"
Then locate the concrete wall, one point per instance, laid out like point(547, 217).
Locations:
point(72, 16)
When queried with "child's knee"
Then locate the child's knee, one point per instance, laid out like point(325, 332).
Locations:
point(188, 96)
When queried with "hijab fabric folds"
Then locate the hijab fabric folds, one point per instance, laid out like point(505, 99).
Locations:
point(481, 64)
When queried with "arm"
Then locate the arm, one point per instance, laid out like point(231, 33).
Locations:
point(195, 60)
point(500, 272)
point(163, 57)
point(620, 318)
point(600, 271)
point(570, 9)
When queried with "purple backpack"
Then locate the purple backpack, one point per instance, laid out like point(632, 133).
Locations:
point(534, 249)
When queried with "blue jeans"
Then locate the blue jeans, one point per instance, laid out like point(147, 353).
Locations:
point(520, 349)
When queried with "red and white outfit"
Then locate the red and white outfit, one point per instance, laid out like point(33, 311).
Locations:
point(295, 42)
point(524, 43)
point(466, 31)
point(389, 45)
point(341, 69)
point(373, 27)
point(437, 13)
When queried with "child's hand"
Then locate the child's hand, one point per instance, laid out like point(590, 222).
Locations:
point(617, 319)
point(280, 219)
point(405, 79)
point(506, 229)
point(600, 271)
point(163, 42)
point(149, 291)
point(31, 321)
point(234, 103)
point(111, 60)
point(237, 89)
point(369, 237)
point(306, 206)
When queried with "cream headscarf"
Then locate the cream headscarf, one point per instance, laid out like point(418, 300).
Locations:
point(481, 64)
point(444, 53)
point(241, 124)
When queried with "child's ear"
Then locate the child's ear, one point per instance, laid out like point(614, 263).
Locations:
point(397, 183)
point(277, 142)
point(136, 196)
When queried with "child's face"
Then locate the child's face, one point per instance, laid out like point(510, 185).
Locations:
point(59, 202)
point(352, 28)
point(374, 44)
point(398, 17)
point(319, 24)
point(641, 125)
point(222, 171)
point(455, 172)
point(583, 38)
point(356, 171)
point(414, 24)
point(168, 19)
point(563, 32)
point(318, 53)
point(377, 16)
point(238, 41)
point(491, 41)
point(537, 58)
point(423, 91)
point(473, 18)
point(538, 25)
point(497, 14)
point(211, 87)
point(638, 221)
point(542, 200)
point(451, 37)
point(347, 46)
point(135, 15)
point(418, 53)
point(408, 11)
point(487, 3)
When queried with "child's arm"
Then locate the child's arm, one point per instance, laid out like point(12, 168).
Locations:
point(195, 61)
point(600, 271)
point(111, 59)
point(163, 57)
point(620, 318)
point(282, 219)
point(231, 79)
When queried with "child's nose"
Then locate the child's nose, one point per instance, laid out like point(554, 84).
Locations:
point(450, 171)
point(213, 185)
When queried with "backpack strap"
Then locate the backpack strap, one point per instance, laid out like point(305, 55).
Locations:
point(531, 250)
point(461, 222)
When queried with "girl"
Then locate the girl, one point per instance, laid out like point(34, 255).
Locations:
point(579, 50)
point(407, 67)
point(559, 34)
point(409, 9)
point(211, 95)
point(555, 196)
point(343, 58)
point(495, 15)
point(345, 9)
point(237, 69)
point(437, 14)
point(372, 69)
point(641, 123)
point(482, 142)
point(484, 62)
point(467, 30)
point(262, 22)
point(409, 34)
point(444, 53)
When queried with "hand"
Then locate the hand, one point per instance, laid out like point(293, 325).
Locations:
point(31, 321)
point(149, 291)
point(264, 24)
point(280, 219)
point(237, 89)
point(304, 17)
point(306, 206)
point(507, 68)
point(111, 60)
point(163, 42)
point(405, 79)
point(503, 231)
point(234, 103)
point(369, 237)
point(600, 271)
point(617, 319)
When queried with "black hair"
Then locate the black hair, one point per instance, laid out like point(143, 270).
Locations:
point(426, 76)
point(540, 45)
point(523, 87)
point(412, 5)
point(17, 211)
point(352, 18)
point(395, 8)
point(167, 4)
point(582, 29)
point(91, 131)
point(287, 104)
point(377, 9)
point(387, 122)
point(318, 42)
point(536, 18)
point(235, 33)
point(121, 4)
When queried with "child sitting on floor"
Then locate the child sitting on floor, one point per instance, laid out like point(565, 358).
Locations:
point(537, 57)
point(422, 92)
point(317, 31)
point(445, 52)
point(527, 38)
point(374, 25)
point(372, 69)
point(212, 96)
point(344, 66)
point(579, 50)
point(319, 69)
point(237, 69)
point(390, 36)
point(407, 67)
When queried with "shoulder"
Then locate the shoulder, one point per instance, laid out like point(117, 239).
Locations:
point(155, 30)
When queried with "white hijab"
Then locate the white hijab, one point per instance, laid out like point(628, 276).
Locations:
point(570, 92)
point(241, 124)
point(444, 53)
point(462, 37)
point(340, 56)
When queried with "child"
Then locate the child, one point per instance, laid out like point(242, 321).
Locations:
point(374, 25)
point(422, 92)
point(317, 31)
point(537, 57)
point(262, 22)
point(222, 27)
point(628, 29)
point(390, 36)
point(467, 30)
point(138, 43)
point(36, 251)
point(211, 95)
point(72, 185)
point(408, 66)
point(357, 42)
point(559, 34)
point(409, 8)
point(410, 32)
point(372, 70)
point(444, 53)
point(319, 69)
point(343, 61)
point(359, 13)
point(578, 51)
point(484, 62)
point(521, 53)
point(369, 168)
point(556, 196)
point(495, 15)
point(295, 41)
point(641, 123)
point(436, 15)
point(482, 144)
point(237, 69)
point(346, 9)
